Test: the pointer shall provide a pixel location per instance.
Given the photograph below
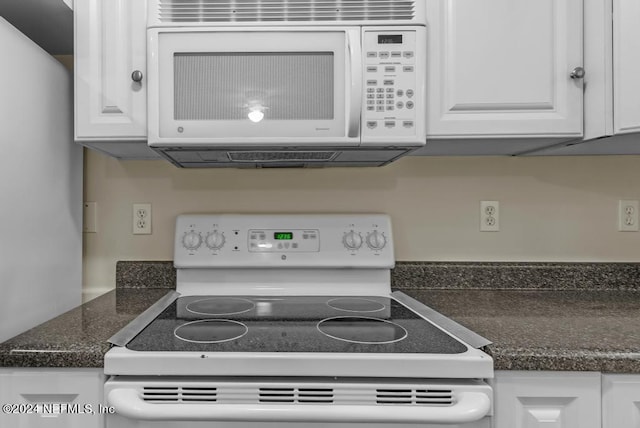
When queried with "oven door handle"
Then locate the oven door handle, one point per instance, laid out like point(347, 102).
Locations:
point(470, 407)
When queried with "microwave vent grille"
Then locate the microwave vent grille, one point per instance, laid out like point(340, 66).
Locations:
point(281, 156)
point(203, 11)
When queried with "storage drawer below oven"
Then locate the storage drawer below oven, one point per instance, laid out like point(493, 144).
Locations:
point(168, 402)
point(115, 421)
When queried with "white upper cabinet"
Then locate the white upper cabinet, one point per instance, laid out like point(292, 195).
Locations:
point(612, 96)
point(626, 63)
point(110, 76)
point(502, 68)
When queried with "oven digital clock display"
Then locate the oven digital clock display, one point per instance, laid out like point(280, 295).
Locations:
point(283, 236)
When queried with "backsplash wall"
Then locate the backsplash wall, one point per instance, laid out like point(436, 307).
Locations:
point(551, 208)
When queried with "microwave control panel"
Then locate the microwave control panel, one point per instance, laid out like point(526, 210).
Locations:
point(394, 82)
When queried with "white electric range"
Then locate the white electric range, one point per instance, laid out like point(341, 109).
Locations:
point(289, 320)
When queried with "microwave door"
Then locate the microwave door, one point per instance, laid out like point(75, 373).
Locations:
point(256, 87)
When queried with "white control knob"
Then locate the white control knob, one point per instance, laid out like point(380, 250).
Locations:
point(376, 240)
point(352, 240)
point(192, 240)
point(215, 240)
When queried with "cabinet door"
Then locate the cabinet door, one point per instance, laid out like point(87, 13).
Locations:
point(501, 68)
point(626, 61)
point(110, 44)
point(67, 398)
point(621, 401)
point(547, 400)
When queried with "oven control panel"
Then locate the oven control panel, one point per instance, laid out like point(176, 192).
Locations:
point(299, 240)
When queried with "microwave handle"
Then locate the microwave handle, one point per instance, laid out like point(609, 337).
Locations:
point(354, 73)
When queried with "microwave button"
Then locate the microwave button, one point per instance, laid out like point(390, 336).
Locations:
point(408, 54)
point(372, 54)
point(294, 245)
point(369, 102)
point(380, 102)
point(372, 124)
point(369, 96)
point(390, 69)
point(371, 108)
point(372, 82)
point(370, 90)
point(409, 93)
point(380, 108)
point(408, 68)
point(379, 90)
point(372, 68)
point(390, 90)
point(409, 105)
point(407, 123)
point(389, 95)
point(400, 92)
point(396, 54)
point(390, 108)
point(390, 124)
point(380, 95)
point(384, 55)
point(399, 104)
point(390, 102)
point(389, 82)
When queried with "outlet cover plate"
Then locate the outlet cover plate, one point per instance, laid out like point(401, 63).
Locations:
point(489, 216)
point(628, 215)
point(141, 219)
point(90, 217)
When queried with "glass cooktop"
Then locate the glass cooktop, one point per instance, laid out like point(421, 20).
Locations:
point(368, 324)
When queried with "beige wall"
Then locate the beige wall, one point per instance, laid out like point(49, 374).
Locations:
point(66, 60)
point(552, 209)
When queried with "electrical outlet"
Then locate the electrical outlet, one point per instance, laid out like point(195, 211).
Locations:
point(142, 219)
point(90, 217)
point(489, 216)
point(628, 215)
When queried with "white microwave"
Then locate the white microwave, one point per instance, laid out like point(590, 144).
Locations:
point(259, 90)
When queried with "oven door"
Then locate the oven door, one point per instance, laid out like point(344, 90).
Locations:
point(254, 86)
point(282, 402)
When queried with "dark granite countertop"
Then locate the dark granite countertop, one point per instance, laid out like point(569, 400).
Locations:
point(78, 338)
point(549, 329)
point(531, 329)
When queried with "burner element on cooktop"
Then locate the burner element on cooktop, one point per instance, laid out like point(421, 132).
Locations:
point(365, 330)
point(355, 304)
point(221, 306)
point(210, 331)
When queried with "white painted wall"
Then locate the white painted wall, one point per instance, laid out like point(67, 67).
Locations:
point(551, 209)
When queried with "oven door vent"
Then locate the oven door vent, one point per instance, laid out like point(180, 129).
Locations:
point(176, 394)
point(295, 395)
point(425, 397)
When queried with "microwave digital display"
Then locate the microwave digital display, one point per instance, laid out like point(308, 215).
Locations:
point(384, 39)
